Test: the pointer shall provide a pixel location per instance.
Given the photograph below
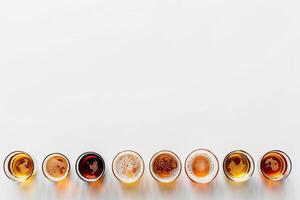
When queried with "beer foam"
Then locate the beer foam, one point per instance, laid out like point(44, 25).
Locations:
point(56, 167)
point(165, 166)
point(206, 156)
point(128, 166)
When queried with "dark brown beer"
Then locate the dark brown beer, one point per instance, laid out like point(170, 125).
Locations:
point(90, 166)
point(275, 165)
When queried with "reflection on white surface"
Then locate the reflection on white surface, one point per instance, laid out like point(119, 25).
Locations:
point(147, 188)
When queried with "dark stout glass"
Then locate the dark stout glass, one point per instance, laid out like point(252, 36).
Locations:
point(90, 166)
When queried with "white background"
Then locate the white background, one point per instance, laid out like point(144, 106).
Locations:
point(149, 75)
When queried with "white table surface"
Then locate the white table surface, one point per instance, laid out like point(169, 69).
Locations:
point(149, 75)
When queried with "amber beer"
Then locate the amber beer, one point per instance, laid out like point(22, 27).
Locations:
point(165, 166)
point(275, 165)
point(19, 166)
point(238, 166)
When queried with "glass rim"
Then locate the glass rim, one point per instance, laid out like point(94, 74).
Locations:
point(288, 160)
point(78, 171)
point(129, 151)
point(168, 152)
point(251, 170)
point(211, 153)
point(53, 154)
point(8, 158)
